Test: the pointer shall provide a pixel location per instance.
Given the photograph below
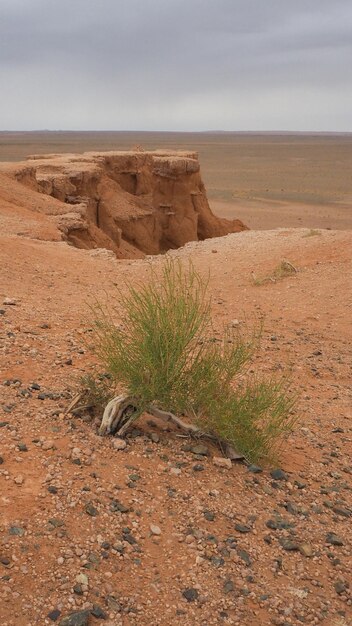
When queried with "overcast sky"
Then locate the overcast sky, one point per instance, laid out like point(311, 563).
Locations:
point(176, 64)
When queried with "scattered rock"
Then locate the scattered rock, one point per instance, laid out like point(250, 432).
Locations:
point(91, 510)
point(119, 444)
point(288, 545)
point(190, 594)
point(10, 302)
point(306, 549)
point(228, 586)
point(242, 528)
point(48, 445)
point(220, 461)
point(154, 437)
point(255, 469)
point(340, 587)
point(98, 612)
point(200, 449)
point(79, 618)
point(54, 615)
point(334, 540)
point(155, 530)
point(278, 474)
point(19, 480)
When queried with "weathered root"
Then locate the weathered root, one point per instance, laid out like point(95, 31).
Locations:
point(121, 411)
point(74, 402)
point(170, 417)
point(118, 413)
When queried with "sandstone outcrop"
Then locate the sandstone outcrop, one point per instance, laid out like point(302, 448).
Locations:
point(132, 203)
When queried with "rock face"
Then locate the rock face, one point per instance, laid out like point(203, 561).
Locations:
point(132, 203)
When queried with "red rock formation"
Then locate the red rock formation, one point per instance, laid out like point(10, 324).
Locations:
point(132, 203)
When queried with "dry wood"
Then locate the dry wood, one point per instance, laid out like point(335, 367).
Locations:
point(122, 411)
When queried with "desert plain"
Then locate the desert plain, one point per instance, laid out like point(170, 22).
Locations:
point(157, 532)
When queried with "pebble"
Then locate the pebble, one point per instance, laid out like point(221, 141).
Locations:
point(334, 540)
point(54, 615)
point(306, 549)
point(9, 301)
point(48, 445)
point(155, 530)
point(200, 449)
point(79, 618)
point(190, 594)
point(220, 461)
point(119, 444)
point(19, 480)
point(278, 474)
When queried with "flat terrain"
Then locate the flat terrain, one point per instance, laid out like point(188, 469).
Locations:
point(267, 181)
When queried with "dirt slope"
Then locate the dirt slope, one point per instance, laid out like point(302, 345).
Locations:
point(65, 541)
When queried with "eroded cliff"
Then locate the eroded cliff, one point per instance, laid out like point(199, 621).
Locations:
point(132, 203)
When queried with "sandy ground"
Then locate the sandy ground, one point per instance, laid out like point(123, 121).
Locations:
point(235, 547)
point(262, 214)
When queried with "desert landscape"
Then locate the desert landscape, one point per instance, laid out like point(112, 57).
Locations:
point(157, 529)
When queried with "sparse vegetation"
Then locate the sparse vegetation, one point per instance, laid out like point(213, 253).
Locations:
point(285, 268)
point(313, 232)
point(166, 357)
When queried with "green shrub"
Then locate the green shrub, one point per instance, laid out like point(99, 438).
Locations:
point(165, 353)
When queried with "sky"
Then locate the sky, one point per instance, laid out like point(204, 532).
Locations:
point(177, 65)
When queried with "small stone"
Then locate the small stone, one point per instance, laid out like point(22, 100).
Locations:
point(220, 461)
point(22, 447)
point(4, 560)
point(60, 560)
point(254, 469)
point(288, 545)
point(198, 468)
point(340, 587)
point(228, 586)
point(334, 540)
point(48, 445)
point(117, 506)
point(154, 437)
point(79, 618)
point(209, 516)
point(155, 530)
point(278, 474)
point(190, 594)
point(306, 549)
point(54, 615)
point(200, 449)
point(98, 612)
point(339, 510)
point(119, 444)
point(175, 471)
point(52, 489)
point(82, 579)
point(19, 480)
point(91, 510)
point(1, 460)
point(55, 522)
point(17, 531)
point(242, 528)
point(9, 302)
point(244, 556)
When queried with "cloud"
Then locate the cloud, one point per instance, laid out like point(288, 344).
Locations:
point(176, 64)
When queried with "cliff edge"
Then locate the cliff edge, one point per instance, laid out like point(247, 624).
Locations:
point(132, 203)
